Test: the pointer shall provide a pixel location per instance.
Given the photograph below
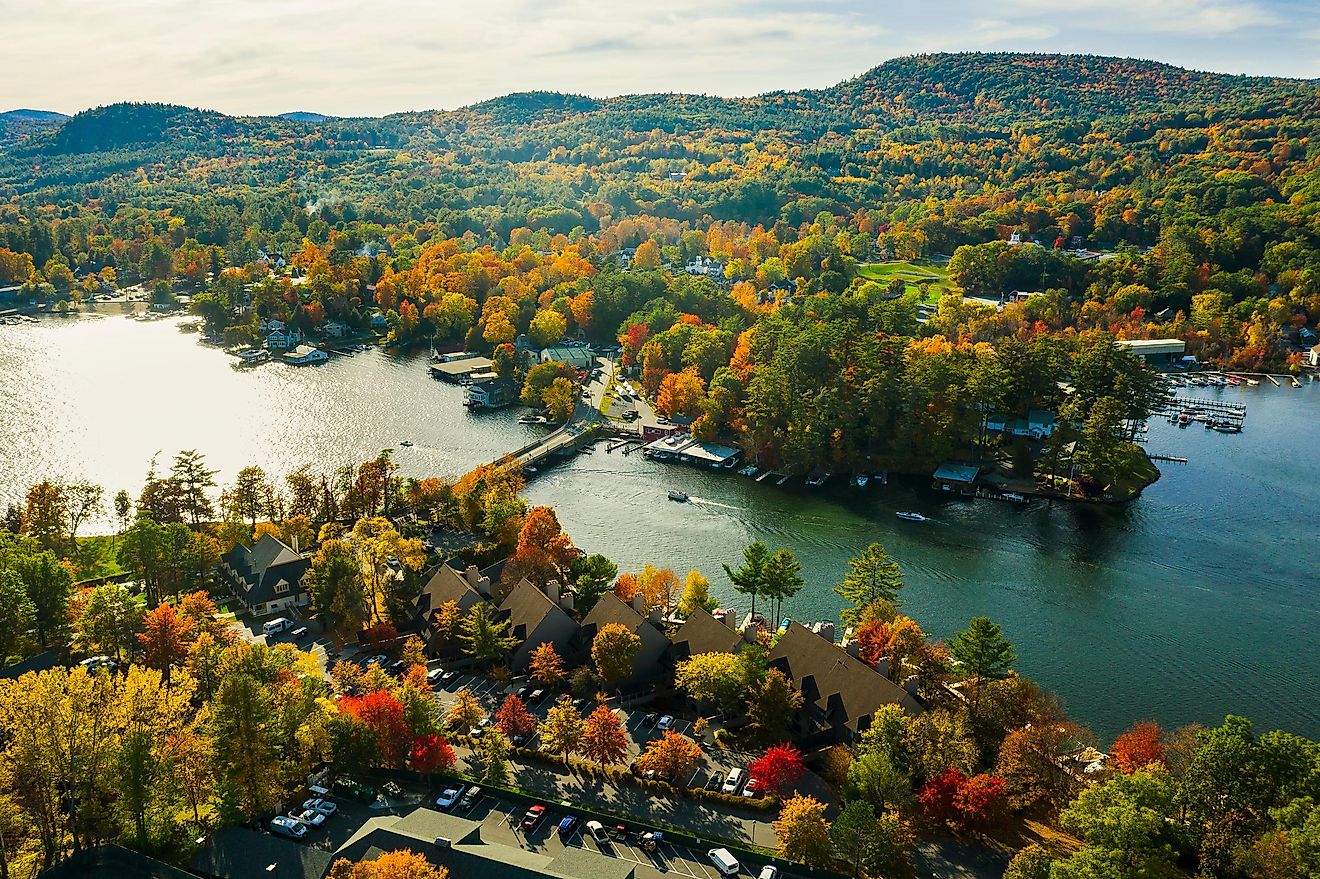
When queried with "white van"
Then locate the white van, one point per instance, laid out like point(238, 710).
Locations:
point(277, 625)
point(724, 861)
point(734, 782)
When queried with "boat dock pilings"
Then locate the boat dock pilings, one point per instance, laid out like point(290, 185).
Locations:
point(1173, 458)
point(1219, 407)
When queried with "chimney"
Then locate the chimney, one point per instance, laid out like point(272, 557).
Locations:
point(552, 591)
point(656, 615)
point(749, 633)
point(724, 615)
point(854, 648)
point(476, 581)
point(882, 665)
point(910, 684)
point(566, 601)
point(639, 604)
point(824, 628)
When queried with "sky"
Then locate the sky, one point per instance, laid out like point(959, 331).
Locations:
point(371, 57)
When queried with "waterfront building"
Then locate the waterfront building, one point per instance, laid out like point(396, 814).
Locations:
point(457, 369)
point(1156, 351)
point(701, 632)
point(955, 477)
point(633, 616)
point(538, 616)
point(467, 589)
point(266, 578)
point(305, 355)
point(683, 448)
point(490, 393)
point(840, 693)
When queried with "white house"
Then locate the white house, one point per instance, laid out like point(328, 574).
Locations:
point(305, 355)
point(702, 265)
point(1313, 356)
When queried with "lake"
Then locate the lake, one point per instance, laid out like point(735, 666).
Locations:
point(1194, 601)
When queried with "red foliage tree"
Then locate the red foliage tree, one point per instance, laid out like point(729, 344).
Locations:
point(874, 638)
point(513, 718)
point(431, 753)
point(382, 636)
point(939, 796)
point(1138, 748)
point(778, 769)
point(383, 715)
point(981, 801)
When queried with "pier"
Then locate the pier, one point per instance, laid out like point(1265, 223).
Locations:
point(1219, 407)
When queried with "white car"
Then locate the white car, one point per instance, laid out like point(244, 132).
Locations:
point(448, 797)
point(769, 871)
point(286, 826)
point(724, 861)
point(308, 816)
point(752, 789)
point(322, 805)
point(664, 723)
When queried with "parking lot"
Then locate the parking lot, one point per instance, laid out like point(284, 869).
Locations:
point(502, 823)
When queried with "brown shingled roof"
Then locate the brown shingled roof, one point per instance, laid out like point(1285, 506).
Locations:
point(702, 633)
point(844, 690)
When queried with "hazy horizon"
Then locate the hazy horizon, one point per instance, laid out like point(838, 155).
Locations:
point(343, 58)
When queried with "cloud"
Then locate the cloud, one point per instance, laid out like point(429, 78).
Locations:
point(350, 57)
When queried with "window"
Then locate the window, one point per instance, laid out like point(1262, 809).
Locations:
point(282, 586)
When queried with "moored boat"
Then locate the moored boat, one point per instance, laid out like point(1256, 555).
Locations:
point(860, 480)
point(676, 495)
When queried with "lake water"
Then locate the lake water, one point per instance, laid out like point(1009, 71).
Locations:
point(1197, 600)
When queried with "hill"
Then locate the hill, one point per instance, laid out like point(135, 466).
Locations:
point(39, 116)
point(304, 116)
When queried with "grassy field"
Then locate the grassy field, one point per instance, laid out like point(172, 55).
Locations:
point(913, 273)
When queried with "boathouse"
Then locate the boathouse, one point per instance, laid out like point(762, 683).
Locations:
point(683, 448)
point(955, 477)
point(1157, 351)
point(460, 369)
point(489, 393)
point(305, 355)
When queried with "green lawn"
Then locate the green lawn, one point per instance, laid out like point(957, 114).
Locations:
point(912, 272)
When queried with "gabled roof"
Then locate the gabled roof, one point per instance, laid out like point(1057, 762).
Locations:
point(702, 633)
point(240, 853)
point(446, 584)
point(613, 609)
point(526, 607)
point(844, 690)
point(253, 573)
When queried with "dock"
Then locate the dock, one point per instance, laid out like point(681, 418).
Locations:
point(1220, 407)
point(1173, 458)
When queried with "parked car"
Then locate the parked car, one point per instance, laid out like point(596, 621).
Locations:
point(533, 817)
point(434, 675)
point(299, 633)
point(664, 723)
point(650, 840)
point(567, 826)
point(448, 676)
point(286, 826)
point(310, 817)
point(378, 659)
point(275, 626)
point(322, 805)
point(598, 831)
point(715, 780)
point(449, 796)
point(734, 781)
point(470, 798)
point(752, 789)
point(650, 719)
point(536, 696)
point(769, 871)
point(724, 861)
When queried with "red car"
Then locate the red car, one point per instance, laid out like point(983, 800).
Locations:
point(533, 817)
